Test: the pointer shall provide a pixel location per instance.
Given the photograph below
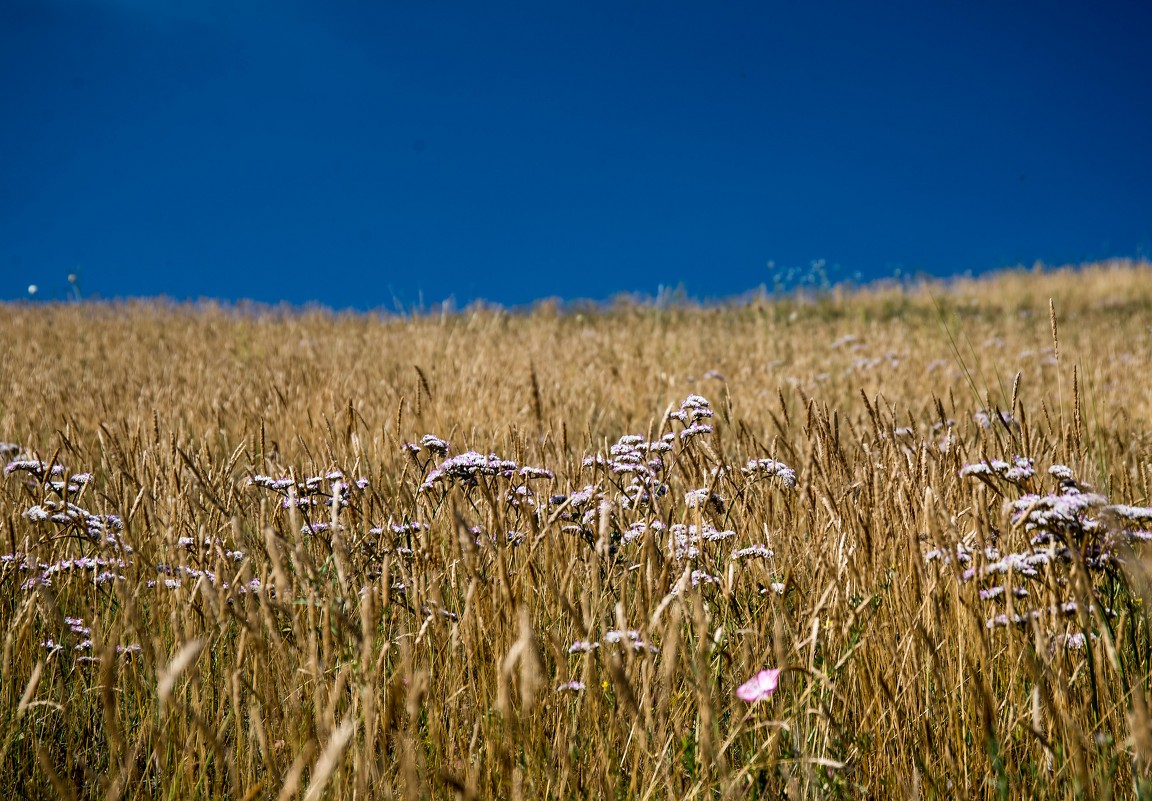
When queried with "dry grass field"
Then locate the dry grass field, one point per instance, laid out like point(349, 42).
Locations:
point(271, 554)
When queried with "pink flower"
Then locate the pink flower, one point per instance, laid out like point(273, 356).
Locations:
point(760, 687)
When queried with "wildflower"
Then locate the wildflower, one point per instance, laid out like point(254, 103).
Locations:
point(700, 577)
point(570, 686)
point(617, 635)
point(583, 647)
point(467, 466)
point(630, 638)
point(435, 444)
point(760, 687)
point(770, 467)
point(627, 444)
point(758, 551)
point(696, 497)
point(33, 466)
point(1019, 469)
point(714, 535)
point(36, 514)
point(694, 429)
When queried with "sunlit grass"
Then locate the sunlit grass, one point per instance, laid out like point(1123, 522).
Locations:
point(272, 583)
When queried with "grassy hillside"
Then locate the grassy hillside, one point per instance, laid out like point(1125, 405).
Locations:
point(236, 565)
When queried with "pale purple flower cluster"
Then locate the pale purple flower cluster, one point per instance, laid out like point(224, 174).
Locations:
point(583, 646)
point(692, 409)
point(696, 497)
point(641, 493)
point(695, 430)
point(73, 484)
point(77, 627)
point(1018, 470)
point(1066, 526)
point(435, 445)
point(1081, 519)
point(311, 491)
point(1075, 641)
point(752, 551)
point(19, 560)
point(208, 543)
point(683, 536)
point(1068, 609)
point(47, 572)
point(467, 467)
point(771, 468)
point(959, 553)
point(101, 528)
point(632, 455)
point(268, 482)
point(698, 577)
point(410, 527)
point(34, 467)
point(173, 575)
point(629, 638)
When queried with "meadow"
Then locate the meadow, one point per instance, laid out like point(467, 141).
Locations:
point(883, 543)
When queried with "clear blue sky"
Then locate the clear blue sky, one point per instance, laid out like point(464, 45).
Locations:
point(351, 153)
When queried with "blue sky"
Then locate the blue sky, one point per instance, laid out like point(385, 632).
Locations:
point(361, 154)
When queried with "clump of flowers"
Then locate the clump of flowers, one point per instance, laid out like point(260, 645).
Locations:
point(1018, 471)
point(104, 529)
point(770, 468)
point(1067, 529)
point(328, 489)
point(466, 469)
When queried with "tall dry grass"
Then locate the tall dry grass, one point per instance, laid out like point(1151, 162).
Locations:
point(235, 636)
